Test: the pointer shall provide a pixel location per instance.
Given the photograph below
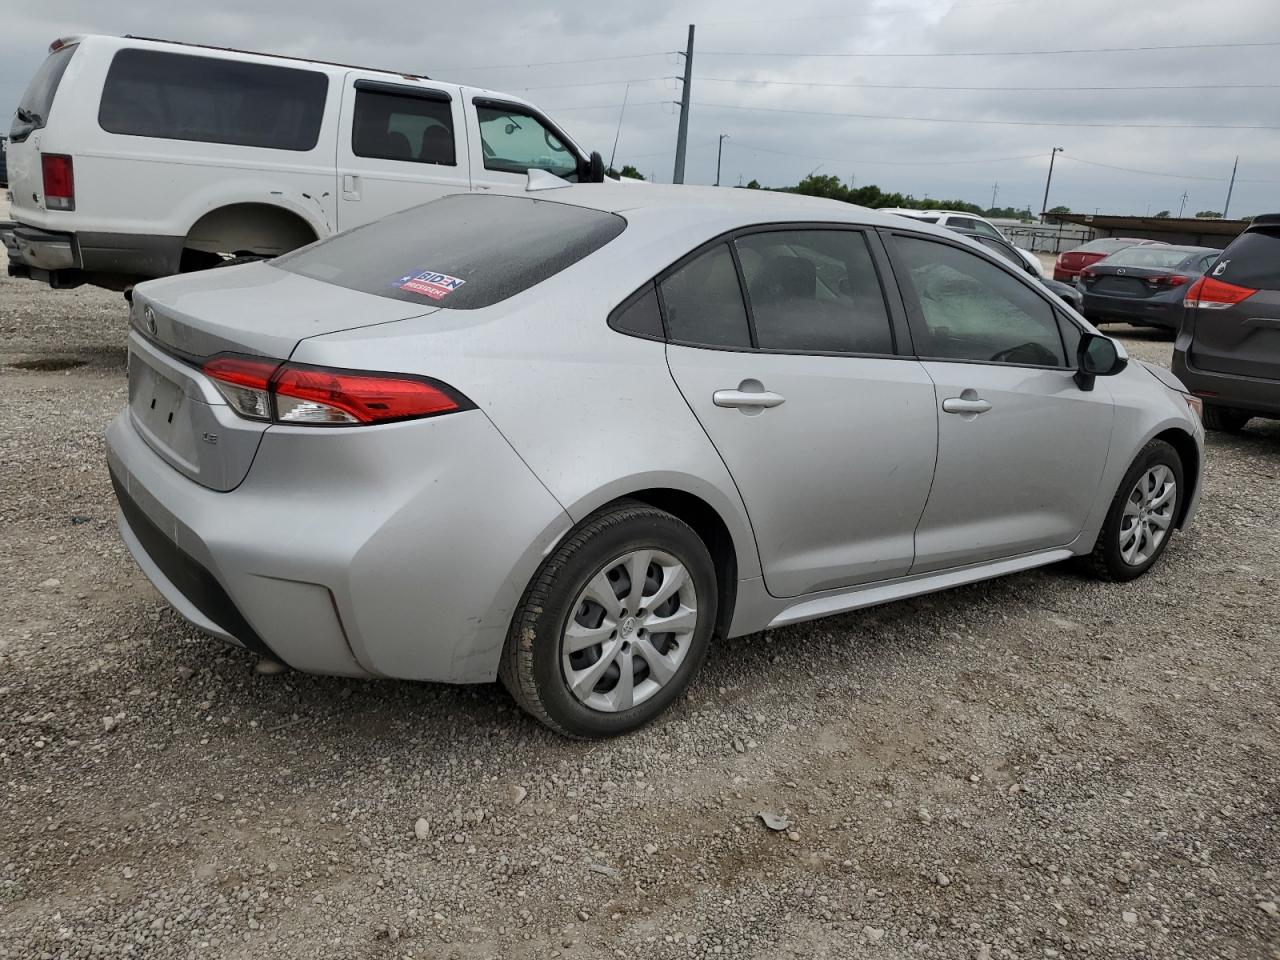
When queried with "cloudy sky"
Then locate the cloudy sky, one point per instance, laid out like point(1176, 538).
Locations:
point(780, 81)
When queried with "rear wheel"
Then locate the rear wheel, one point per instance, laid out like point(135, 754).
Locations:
point(615, 624)
point(1140, 520)
point(1225, 419)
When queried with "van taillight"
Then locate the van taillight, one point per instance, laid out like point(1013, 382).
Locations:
point(1209, 293)
point(59, 181)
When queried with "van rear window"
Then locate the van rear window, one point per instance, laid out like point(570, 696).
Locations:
point(33, 109)
point(176, 96)
point(1252, 259)
point(463, 251)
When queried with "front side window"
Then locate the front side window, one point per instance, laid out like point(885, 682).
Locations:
point(987, 230)
point(515, 141)
point(702, 301)
point(815, 291)
point(176, 96)
point(415, 129)
point(973, 310)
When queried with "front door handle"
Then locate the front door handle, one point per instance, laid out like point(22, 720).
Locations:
point(350, 186)
point(747, 399)
point(965, 405)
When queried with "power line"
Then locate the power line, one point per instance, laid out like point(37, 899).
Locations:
point(610, 106)
point(1007, 123)
point(1017, 89)
point(880, 12)
point(1000, 53)
point(1157, 173)
point(554, 63)
point(593, 83)
point(893, 163)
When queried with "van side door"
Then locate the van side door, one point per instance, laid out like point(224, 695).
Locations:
point(508, 139)
point(400, 143)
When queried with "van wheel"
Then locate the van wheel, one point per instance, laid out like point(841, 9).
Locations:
point(1225, 419)
point(615, 624)
point(1140, 520)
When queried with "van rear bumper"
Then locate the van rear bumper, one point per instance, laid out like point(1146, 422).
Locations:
point(70, 259)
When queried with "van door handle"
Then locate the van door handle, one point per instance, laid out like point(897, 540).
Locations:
point(742, 399)
point(965, 405)
point(350, 186)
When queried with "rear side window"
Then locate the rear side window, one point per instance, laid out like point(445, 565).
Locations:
point(815, 291)
point(1252, 260)
point(413, 128)
point(703, 304)
point(33, 108)
point(175, 96)
point(463, 251)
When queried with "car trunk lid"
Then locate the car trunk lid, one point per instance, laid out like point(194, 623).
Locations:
point(252, 310)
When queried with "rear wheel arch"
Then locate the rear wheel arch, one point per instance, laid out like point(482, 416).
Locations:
point(260, 229)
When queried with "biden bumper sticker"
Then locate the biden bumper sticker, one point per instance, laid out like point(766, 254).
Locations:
point(428, 283)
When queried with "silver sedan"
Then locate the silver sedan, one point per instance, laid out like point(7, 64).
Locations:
point(572, 438)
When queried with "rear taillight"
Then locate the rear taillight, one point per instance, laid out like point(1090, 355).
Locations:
point(305, 395)
point(1168, 280)
point(59, 181)
point(1209, 293)
point(1087, 274)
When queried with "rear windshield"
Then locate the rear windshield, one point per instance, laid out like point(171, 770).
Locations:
point(462, 252)
point(33, 108)
point(1252, 260)
point(912, 216)
point(176, 96)
point(1106, 245)
point(1151, 256)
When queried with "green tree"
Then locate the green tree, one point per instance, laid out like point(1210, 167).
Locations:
point(1209, 215)
point(753, 184)
point(1059, 210)
point(1163, 215)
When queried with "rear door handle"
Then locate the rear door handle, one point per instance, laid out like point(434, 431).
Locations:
point(965, 405)
point(350, 186)
point(742, 399)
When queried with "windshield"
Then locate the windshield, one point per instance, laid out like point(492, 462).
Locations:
point(463, 251)
point(33, 109)
point(1150, 256)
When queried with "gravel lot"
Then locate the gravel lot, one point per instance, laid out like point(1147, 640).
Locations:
point(1042, 766)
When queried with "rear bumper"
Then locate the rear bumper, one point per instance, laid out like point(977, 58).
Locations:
point(398, 551)
point(1065, 276)
point(1164, 314)
point(1255, 394)
point(68, 259)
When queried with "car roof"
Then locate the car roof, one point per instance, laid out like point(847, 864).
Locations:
point(725, 207)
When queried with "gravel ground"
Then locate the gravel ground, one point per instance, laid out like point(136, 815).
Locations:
point(1041, 766)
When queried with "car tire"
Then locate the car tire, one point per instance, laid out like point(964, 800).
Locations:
point(562, 686)
point(1121, 552)
point(1225, 419)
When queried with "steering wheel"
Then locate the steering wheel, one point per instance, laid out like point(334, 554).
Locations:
point(553, 142)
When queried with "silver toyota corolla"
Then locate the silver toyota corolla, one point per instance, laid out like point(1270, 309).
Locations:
point(572, 438)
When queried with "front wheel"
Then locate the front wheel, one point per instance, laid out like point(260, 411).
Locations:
point(615, 624)
point(1140, 520)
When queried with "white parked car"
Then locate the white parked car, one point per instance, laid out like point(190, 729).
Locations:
point(132, 158)
point(958, 220)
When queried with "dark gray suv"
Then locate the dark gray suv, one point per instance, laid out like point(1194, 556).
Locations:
point(1228, 349)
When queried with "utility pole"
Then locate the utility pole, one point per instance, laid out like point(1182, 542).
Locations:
point(1227, 206)
point(995, 188)
point(1183, 208)
point(1045, 206)
point(682, 137)
point(719, 154)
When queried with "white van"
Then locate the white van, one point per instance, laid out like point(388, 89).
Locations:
point(132, 158)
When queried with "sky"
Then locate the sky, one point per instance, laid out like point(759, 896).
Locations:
point(805, 85)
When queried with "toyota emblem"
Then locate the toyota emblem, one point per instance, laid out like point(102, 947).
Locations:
point(149, 316)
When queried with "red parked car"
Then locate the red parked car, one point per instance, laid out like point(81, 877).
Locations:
point(1069, 264)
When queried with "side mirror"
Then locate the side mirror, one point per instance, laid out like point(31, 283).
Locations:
point(595, 168)
point(1097, 356)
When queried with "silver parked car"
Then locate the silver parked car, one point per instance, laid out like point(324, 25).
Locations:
point(571, 438)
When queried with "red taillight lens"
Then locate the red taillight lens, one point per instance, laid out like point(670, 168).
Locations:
point(1087, 274)
point(1168, 280)
point(320, 396)
point(59, 181)
point(1209, 293)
